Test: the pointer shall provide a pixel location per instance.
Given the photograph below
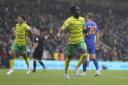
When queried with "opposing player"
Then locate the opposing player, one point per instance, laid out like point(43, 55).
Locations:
point(20, 43)
point(91, 31)
point(39, 42)
point(75, 24)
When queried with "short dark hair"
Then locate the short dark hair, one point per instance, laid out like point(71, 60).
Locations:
point(23, 17)
point(90, 15)
point(72, 8)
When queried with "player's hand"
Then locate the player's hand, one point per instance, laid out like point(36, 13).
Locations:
point(97, 46)
point(57, 36)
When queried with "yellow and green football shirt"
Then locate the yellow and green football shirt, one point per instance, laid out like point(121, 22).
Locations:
point(75, 27)
point(21, 33)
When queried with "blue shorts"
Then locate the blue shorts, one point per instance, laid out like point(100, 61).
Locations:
point(90, 46)
point(91, 50)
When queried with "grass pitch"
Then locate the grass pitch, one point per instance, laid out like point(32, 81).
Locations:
point(55, 77)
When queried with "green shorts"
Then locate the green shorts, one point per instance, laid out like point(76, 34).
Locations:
point(19, 48)
point(71, 48)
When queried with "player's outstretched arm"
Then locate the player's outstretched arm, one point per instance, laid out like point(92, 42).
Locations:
point(63, 27)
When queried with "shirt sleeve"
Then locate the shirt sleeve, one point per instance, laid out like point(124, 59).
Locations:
point(27, 27)
point(65, 25)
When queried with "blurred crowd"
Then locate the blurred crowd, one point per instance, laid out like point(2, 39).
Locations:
point(48, 15)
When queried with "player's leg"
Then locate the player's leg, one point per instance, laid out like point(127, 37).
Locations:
point(26, 58)
point(67, 61)
point(83, 49)
point(11, 61)
point(69, 55)
point(42, 64)
point(40, 59)
point(95, 61)
point(85, 64)
point(34, 60)
point(34, 65)
point(39, 56)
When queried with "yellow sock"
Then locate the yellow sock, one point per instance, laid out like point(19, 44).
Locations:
point(67, 64)
point(83, 56)
point(27, 61)
point(11, 62)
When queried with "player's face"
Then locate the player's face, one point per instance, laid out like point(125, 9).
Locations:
point(77, 11)
point(20, 20)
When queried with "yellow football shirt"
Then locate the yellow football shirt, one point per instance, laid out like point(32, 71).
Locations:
point(21, 33)
point(75, 27)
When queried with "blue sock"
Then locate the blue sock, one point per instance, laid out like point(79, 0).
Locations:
point(96, 64)
point(34, 66)
point(41, 63)
point(85, 64)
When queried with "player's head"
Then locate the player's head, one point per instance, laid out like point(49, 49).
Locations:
point(75, 10)
point(21, 19)
point(90, 16)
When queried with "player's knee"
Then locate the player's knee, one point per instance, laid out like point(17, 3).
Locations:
point(85, 61)
point(84, 54)
point(93, 57)
point(11, 57)
point(13, 54)
point(69, 56)
point(25, 57)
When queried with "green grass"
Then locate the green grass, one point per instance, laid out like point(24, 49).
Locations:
point(55, 77)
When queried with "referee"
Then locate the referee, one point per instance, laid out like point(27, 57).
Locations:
point(38, 47)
